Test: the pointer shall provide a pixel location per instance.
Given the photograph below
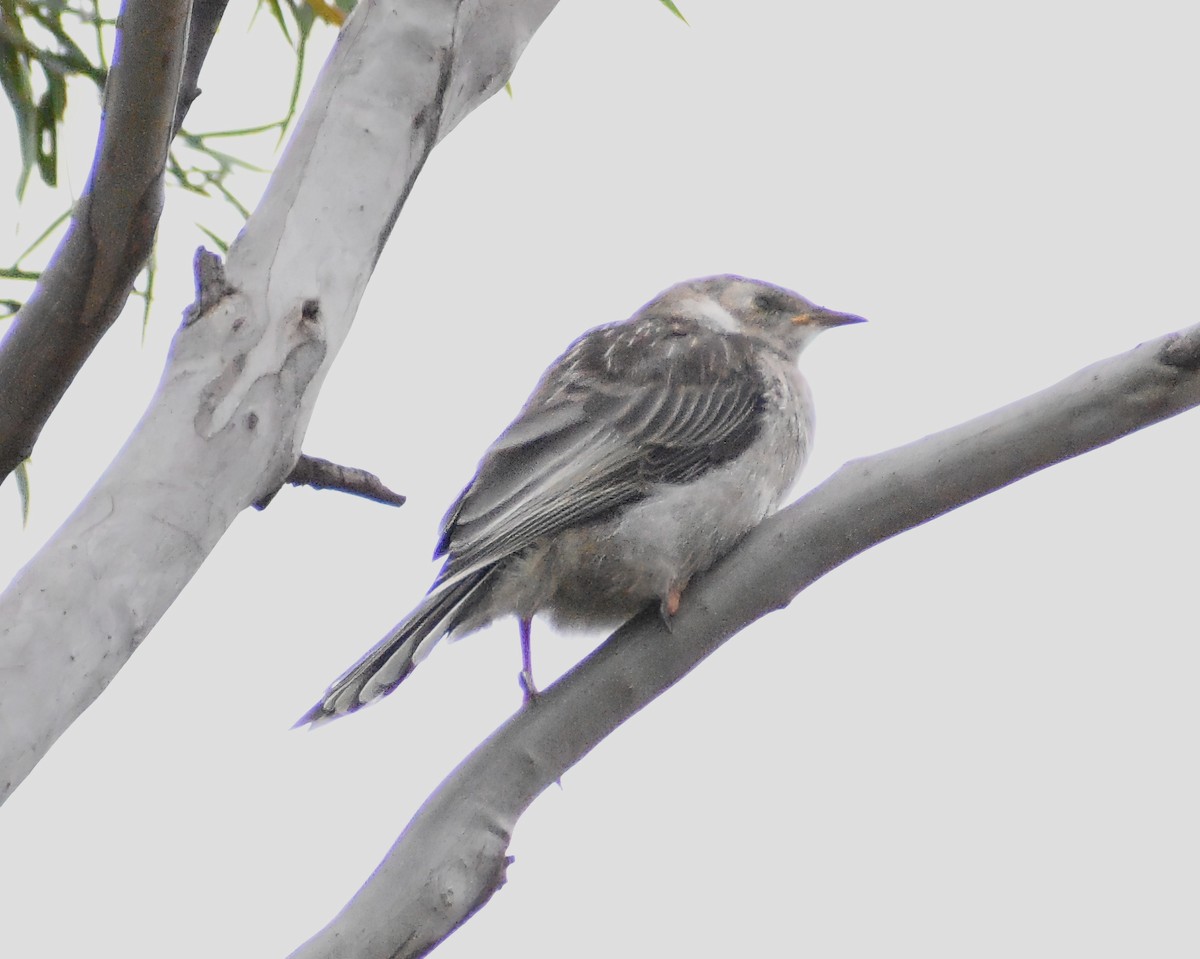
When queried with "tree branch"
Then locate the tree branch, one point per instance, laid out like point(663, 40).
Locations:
point(452, 856)
point(206, 16)
point(322, 474)
point(85, 287)
point(226, 424)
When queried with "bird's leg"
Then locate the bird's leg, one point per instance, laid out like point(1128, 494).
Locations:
point(526, 677)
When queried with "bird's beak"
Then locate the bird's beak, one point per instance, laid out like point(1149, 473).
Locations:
point(824, 319)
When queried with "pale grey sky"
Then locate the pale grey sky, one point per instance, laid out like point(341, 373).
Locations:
point(976, 740)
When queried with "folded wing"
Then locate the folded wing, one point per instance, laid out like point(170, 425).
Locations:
point(626, 408)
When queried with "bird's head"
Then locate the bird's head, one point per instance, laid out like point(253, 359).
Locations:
point(784, 320)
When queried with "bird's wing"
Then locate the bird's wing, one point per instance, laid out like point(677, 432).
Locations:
point(627, 407)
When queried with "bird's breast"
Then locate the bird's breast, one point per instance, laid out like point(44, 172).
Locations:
point(602, 573)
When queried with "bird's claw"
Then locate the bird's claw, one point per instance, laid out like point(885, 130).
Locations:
point(530, 691)
point(669, 607)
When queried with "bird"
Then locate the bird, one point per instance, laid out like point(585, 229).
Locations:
point(645, 452)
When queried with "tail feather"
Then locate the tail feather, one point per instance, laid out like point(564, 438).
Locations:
point(388, 662)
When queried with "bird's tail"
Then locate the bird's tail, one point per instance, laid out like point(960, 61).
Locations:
point(389, 661)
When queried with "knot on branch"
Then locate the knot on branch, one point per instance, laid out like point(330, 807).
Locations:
point(1183, 350)
point(211, 286)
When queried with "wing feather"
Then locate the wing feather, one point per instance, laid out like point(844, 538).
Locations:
point(629, 406)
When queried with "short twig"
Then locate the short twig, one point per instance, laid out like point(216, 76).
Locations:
point(322, 474)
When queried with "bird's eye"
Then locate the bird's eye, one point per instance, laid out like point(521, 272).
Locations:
point(768, 302)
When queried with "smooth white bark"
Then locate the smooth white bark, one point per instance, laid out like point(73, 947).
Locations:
point(228, 419)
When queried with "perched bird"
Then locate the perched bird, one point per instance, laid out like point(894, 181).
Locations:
point(645, 453)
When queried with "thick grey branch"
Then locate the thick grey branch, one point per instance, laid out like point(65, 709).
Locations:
point(85, 287)
point(452, 857)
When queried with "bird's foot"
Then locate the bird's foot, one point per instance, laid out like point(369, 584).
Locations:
point(669, 606)
point(530, 691)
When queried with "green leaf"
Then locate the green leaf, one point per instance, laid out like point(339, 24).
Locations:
point(229, 197)
point(674, 9)
point(14, 273)
point(147, 294)
point(49, 114)
point(305, 18)
point(41, 237)
point(69, 58)
point(97, 22)
point(220, 244)
point(14, 77)
point(196, 140)
point(294, 98)
point(227, 161)
point(277, 14)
